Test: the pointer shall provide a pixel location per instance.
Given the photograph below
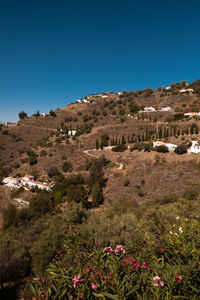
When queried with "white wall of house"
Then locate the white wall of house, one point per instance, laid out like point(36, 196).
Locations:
point(195, 147)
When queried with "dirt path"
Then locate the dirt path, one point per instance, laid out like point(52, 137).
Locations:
point(90, 154)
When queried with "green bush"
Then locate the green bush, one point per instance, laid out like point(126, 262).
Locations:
point(162, 149)
point(67, 166)
point(119, 148)
point(181, 149)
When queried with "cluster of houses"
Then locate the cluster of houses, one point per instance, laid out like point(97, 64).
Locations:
point(27, 182)
point(194, 148)
point(90, 98)
point(152, 109)
point(192, 114)
point(186, 91)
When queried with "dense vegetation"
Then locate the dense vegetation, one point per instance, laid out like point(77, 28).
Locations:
point(124, 251)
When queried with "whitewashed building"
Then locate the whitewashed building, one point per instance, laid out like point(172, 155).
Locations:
point(186, 90)
point(71, 132)
point(192, 114)
point(171, 147)
point(166, 109)
point(195, 147)
point(150, 108)
point(11, 181)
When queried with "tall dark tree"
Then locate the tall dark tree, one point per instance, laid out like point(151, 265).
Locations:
point(97, 144)
point(22, 115)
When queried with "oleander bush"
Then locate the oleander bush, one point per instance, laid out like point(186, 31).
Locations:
point(126, 251)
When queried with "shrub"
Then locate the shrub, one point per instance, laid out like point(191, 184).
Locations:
point(5, 132)
point(52, 113)
point(43, 153)
point(52, 171)
point(67, 166)
point(162, 149)
point(119, 148)
point(181, 149)
point(126, 182)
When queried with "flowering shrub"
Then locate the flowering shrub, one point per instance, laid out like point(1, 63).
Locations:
point(166, 268)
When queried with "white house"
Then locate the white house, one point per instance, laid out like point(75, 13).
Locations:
point(192, 114)
point(186, 90)
point(195, 147)
point(146, 109)
point(166, 109)
point(167, 87)
point(171, 147)
point(27, 178)
point(11, 181)
point(71, 132)
point(27, 181)
point(105, 96)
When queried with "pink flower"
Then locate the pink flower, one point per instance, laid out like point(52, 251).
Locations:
point(161, 283)
point(155, 284)
point(178, 278)
point(76, 279)
point(109, 249)
point(120, 247)
point(137, 265)
point(88, 270)
point(161, 249)
point(94, 286)
point(156, 278)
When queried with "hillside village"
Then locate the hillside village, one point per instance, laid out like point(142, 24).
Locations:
point(90, 176)
point(145, 120)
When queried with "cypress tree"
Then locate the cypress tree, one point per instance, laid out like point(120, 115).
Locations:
point(160, 133)
point(174, 130)
point(143, 137)
point(123, 140)
point(147, 134)
point(97, 144)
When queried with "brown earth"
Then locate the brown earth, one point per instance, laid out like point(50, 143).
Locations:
point(151, 175)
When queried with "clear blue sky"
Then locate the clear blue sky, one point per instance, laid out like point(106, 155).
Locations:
point(53, 52)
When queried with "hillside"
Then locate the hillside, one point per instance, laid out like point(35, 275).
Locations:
point(115, 115)
point(99, 183)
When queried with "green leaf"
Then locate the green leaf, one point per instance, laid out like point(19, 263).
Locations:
point(110, 296)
